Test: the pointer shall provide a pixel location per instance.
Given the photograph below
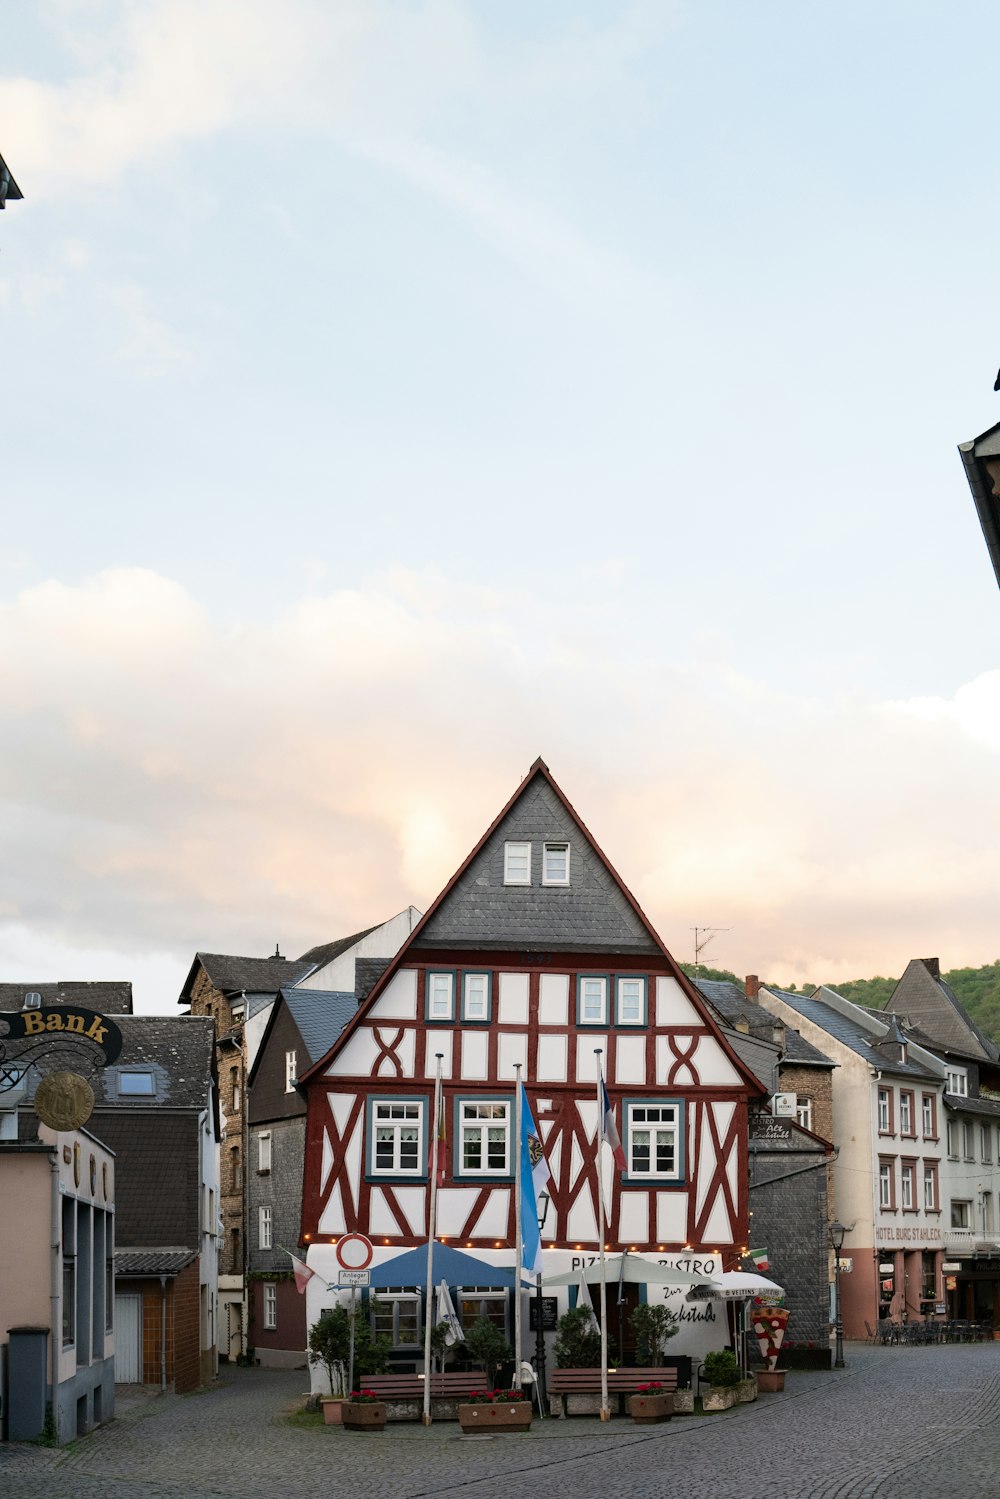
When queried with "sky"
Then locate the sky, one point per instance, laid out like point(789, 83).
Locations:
point(399, 390)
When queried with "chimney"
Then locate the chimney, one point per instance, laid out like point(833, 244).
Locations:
point(753, 988)
point(933, 967)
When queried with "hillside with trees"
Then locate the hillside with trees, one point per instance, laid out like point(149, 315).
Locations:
point(976, 989)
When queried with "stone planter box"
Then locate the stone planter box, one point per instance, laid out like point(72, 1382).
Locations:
point(507, 1415)
point(746, 1391)
point(367, 1415)
point(649, 1410)
point(718, 1398)
point(683, 1402)
point(333, 1409)
point(770, 1381)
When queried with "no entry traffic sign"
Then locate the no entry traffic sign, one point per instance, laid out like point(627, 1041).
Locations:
point(354, 1252)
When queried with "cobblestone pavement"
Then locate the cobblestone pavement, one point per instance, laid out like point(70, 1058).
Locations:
point(896, 1422)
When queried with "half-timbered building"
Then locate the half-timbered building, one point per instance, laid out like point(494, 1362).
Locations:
point(535, 954)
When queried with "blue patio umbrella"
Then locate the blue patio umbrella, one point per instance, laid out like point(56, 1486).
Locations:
point(451, 1265)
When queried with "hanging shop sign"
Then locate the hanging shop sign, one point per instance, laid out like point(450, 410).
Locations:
point(60, 1022)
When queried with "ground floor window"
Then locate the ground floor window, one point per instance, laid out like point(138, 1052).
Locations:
point(270, 1307)
point(476, 1302)
point(396, 1312)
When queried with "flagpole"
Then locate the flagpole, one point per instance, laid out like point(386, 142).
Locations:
point(518, 1246)
point(605, 1407)
point(432, 1162)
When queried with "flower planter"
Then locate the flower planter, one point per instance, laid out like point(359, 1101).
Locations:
point(333, 1409)
point(718, 1398)
point(648, 1410)
point(497, 1416)
point(683, 1402)
point(770, 1381)
point(746, 1391)
point(364, 1415)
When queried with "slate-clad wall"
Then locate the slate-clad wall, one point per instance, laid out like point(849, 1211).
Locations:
point(789, 1220)
point(157, 1177)
point(268, 1099)
point(281, 1189)
point(590, 911)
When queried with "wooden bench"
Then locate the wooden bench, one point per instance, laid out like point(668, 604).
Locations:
point(561, 1383)
point(404, 1393)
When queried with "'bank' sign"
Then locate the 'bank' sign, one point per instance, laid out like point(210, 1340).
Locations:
point(59, 1022)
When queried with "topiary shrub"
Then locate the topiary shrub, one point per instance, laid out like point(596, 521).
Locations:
point(721, 1369)
point(653, 1326)
point(488, 1347)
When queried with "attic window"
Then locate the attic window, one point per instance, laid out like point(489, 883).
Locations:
point(32, 1000)
point(555, 864)
point(517, 863)
point(136, 1084)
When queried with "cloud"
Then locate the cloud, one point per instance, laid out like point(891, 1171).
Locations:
point(173, 782)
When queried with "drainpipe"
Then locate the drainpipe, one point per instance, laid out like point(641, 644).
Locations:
point(55, 1340)
point(163, 1334)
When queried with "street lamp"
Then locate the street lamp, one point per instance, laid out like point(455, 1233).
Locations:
point(543, 1213)
point(837, 1232)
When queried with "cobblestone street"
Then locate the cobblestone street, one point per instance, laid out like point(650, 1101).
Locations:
point(895, 1423)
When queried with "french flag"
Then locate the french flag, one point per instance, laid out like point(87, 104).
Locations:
point(609, 1130)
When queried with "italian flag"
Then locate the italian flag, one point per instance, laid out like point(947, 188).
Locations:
point(759, 1259)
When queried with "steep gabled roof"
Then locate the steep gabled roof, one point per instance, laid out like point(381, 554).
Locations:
point(318, 957)
point(928, 1003)
point(601, 916)
point(107, 997)
point(859, 1029)
point(319, 1014)
point(234, 975)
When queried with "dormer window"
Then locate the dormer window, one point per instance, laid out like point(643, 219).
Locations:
point(958, 1082)
point(517, 863)
point(555, 863)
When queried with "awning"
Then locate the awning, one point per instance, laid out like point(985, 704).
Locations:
point(739, 1285)
point(635, 1271)
point(450, 1265)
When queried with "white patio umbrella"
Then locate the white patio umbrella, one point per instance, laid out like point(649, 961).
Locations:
point(628, 1267)
point(739, 1285)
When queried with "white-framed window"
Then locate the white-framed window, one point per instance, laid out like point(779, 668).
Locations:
point(884, 1111)
point(905, 1112)
point(440, 996)
point(931, 1187)
point(958, 1082)
point(264, 1151)
point(555, 863)
point(985, 1144)
point(517, 863)
point(475, 996)
point(953, 1140)
point(968, 1141)
point(804, 1111)
point(652, 1140)
point(270, 1307)
point(265, 1225)
point(484, 1137)
point(396, 1312)
point(397, 1137)
point(291, 1071)
point(630, 1001)
point(885, 1185)
point(907, 1187)
point(930, 1116)
point(592, 1000)
point(239, 1014)
point(961, 1214)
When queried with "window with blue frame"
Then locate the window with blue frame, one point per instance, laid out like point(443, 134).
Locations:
point(484, 1137)
point(630, 1001)
point(476, 996)
point(592, 999)
point(397, 1138)
point(654, 1144)
point(439, 1001)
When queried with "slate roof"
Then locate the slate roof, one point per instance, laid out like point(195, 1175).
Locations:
point(107, 997)
point(320, 1015)
point(318, 957)
point(925, 1000)
point(732, 1004)
point(988, 1107)
point(178, 1050)
point(594, 910)
point(851, 1032)
point(234, 975)
point(152, 1261)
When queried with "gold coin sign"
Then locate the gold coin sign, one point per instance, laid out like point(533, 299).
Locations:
point(64, 1100)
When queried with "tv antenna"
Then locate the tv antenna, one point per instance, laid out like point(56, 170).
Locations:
point(701, 941)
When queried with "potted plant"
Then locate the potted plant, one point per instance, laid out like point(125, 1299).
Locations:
point(650, 1404)
point(769, 1323)
point(578, 1342)
point(495, 1411)
point(723, 1374)
point(364, 1411)
point(653, 1325)
point(684, 1401)
point(329, 1345)
point(488, 1346)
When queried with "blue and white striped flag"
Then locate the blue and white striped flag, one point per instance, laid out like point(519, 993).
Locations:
point(535, 1175)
